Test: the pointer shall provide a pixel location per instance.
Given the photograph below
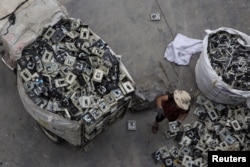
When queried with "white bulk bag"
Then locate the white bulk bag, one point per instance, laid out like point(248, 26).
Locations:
point(212, 85)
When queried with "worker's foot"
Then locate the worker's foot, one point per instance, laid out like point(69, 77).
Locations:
point(154, 129)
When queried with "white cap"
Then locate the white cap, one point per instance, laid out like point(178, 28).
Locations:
point(182, 99)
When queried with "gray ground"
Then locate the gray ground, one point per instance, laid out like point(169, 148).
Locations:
point(126, 27)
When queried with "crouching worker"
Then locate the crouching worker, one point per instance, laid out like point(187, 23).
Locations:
point(174, 106)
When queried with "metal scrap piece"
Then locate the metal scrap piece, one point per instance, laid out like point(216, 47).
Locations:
point(96, 113)
point(97, 76)
point(88, 118)
point(168, 161)
point(47, 56)
point(185, 141)
point(103, 106)
point(71, 46)
point(131, 125)
point(72, 34)
point(60, 82)
point(96, 51)
point(117, 93)
point(164, 152)
point(128, 87)
point(230, 139)
point(174, 151)
point(174, 126)
point(69, 61)
point(155, 16)
point(199, 125)
point(49, 33)
point(93, 37)
point(168, 134)
point(26, 75)
point(236, 126)
point(84, 33)
point(211, 112)
point(58, 35)
point(70, 78)
point(84, 101)
point(185, 150)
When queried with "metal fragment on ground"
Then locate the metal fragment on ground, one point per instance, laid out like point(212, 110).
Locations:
point(131, 125)
point(155, 16)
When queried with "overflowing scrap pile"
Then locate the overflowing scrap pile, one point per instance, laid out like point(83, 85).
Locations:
point(217, 128)
point(230, 58)
point(70, 71)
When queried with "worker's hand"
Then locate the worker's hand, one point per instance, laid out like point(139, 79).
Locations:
point(159, 111)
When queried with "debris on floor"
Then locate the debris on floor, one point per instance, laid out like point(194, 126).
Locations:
point(131, 125)
point(174, 127)
point(155, 16)
point(218, 128)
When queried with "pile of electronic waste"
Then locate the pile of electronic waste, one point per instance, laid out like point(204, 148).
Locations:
point(217, 128)
point(229, 56)
point(70, 71)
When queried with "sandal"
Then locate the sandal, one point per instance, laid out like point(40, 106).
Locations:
point(154, 129)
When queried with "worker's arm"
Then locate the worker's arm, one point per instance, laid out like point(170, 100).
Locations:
point(160, 100)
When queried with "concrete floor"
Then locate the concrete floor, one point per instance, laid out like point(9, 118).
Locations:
point(126, 27)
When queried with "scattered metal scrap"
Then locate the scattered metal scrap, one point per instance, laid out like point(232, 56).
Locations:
point(217, 128)
point(131, 125)
point(70, 71)
point(230, 58)
point(155, 16)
